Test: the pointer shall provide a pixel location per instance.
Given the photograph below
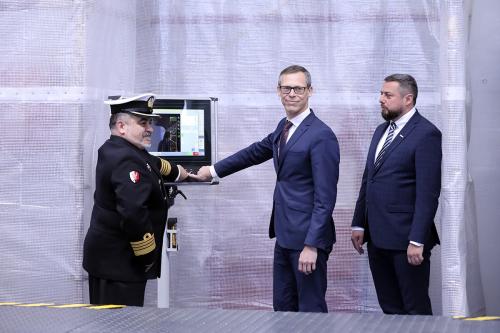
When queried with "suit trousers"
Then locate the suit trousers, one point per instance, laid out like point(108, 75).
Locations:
point(104, 291)
point(401, 288)
point(295, 291)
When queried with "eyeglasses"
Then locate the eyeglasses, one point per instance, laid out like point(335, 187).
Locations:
point(298, 90)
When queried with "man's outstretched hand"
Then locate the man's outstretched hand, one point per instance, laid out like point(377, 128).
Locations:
point(203, 174)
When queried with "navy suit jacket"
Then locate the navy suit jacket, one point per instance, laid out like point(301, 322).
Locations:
point(398, 200)
point(307, 172)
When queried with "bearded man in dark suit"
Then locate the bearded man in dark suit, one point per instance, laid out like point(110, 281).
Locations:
point(398, 200)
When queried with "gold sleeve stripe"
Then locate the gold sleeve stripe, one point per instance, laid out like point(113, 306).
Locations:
point(144, 246)
point(165, 168)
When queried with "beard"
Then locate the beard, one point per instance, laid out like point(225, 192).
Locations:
point(146, 144)
point(390, 114)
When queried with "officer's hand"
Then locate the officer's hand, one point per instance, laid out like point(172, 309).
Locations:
point(203, 174)
point(183, 174)
point(357, 240)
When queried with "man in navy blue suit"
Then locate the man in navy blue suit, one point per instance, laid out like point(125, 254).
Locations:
point(398, 200)
point(306, 158)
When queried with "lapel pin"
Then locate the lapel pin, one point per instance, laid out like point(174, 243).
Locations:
point(402, 137)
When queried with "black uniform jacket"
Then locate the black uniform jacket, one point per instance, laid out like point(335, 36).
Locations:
point(128, 220)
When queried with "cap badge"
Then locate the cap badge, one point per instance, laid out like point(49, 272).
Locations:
point(134, 176)
point(151, 101)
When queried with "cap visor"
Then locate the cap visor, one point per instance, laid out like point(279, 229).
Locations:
point(127, 100)
point(147, 115)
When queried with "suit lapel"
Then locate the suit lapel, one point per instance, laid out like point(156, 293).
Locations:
point(375, 140)
point(303, 127)
point(150, 163)
point(276, 142)
point(155, 170)
point(410, 125)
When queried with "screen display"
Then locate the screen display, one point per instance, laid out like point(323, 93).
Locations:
point(179, 133)
point(183, 132)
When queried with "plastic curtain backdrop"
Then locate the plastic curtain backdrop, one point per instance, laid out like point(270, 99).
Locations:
point(61, 59)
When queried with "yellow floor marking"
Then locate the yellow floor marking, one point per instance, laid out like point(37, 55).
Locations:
point(483, 318)
point(69, 306)
point(110, 306)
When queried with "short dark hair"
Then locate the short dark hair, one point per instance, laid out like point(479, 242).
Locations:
point(296, 69)
point(113, 119)
point(406, 84)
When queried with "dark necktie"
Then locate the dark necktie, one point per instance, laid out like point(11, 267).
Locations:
point(284, 135)
point(388, 140)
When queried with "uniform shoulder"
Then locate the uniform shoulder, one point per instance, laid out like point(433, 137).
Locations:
point(119, 151)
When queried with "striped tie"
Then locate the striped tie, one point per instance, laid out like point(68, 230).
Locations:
point(387, 142)
point(284, 135)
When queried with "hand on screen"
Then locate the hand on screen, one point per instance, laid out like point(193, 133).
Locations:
point(203, 174)
point(182, 173)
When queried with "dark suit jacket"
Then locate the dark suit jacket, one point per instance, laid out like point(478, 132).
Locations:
point(398, 200)
point(307, 172)
point(124, 211)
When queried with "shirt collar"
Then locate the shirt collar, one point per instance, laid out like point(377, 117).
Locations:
point(401, 122)
point(300, 117)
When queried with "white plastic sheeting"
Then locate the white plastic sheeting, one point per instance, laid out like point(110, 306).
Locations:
point(60, 59)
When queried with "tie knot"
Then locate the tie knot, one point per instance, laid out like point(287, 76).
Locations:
point(393, 125)
point(288, 124)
